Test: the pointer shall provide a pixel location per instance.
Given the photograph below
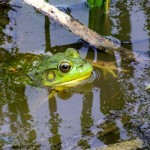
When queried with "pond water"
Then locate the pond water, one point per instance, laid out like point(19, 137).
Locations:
point(113, 108)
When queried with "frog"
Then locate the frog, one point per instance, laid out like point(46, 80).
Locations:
point(63, 69)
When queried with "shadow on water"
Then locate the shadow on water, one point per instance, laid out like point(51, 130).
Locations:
point(112, 108)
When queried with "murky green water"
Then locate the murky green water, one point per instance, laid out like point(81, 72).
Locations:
point(114, 107)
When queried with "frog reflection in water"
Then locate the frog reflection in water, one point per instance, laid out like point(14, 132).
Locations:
point(62, 69)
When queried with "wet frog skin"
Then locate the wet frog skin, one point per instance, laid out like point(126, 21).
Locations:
point(61, 69)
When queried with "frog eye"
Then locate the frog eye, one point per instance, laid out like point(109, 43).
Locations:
point(64, 67)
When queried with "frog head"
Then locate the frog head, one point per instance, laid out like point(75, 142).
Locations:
point(61, 69)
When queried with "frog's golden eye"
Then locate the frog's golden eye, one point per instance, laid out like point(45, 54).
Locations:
point(64, 67)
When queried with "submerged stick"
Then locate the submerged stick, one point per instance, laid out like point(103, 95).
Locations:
point(79, 29)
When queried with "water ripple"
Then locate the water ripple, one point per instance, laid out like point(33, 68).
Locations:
point(95, 76)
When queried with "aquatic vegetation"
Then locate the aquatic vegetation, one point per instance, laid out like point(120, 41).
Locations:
point(105, 4)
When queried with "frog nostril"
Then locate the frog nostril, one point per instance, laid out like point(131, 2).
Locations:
point(81, 66)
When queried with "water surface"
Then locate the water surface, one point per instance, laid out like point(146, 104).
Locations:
point(112, 108)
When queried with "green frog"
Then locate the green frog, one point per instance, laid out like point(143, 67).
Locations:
point(59, 70)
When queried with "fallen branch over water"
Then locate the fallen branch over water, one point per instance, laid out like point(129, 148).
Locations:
point(79, 29)
point(125, 145)
point(71, 24)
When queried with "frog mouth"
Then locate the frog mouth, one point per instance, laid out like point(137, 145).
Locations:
point(74, 82)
